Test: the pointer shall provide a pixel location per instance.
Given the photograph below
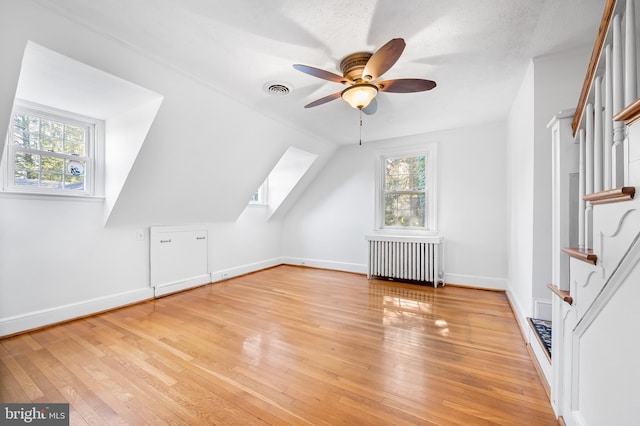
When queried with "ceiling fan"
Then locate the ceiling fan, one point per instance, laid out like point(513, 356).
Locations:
point(359, 72)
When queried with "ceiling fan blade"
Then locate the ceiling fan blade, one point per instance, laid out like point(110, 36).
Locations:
point(317, 72)
point(324, 100)
point(383, 59)
point(371, 108)
point(405, 85)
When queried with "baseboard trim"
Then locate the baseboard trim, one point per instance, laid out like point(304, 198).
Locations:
point(542, 309)
point(326, 264)
point(225, 274)
point(476, 281)
point(58, 314)
point(525, 330)
point(518, 313)
point(166, 289)
point(539, 370)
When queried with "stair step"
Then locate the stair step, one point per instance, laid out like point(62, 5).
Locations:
point(581, 254)
point(542, 332)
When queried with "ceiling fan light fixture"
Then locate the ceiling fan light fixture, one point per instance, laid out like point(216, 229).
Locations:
point(360, 95)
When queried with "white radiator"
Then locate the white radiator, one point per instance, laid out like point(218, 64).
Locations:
point(405, 258)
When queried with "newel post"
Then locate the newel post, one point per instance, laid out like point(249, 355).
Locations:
point(565, 156)
point(565, 166)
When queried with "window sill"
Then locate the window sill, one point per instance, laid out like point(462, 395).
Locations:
point(50, 197)
point(412, 232)
point(415, 236)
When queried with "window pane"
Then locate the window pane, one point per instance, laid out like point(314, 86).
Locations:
point(26, 131)
point(74, 175)
point(52, 164)
point(74, 140)
point(26, 178)
point(51, 136)
point(51, 180)
point(74, 182)
point(405, 174)
point(404, 209)
point(26, 161)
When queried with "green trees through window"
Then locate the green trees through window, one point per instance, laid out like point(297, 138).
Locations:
point(49, 153)
point(405, 191)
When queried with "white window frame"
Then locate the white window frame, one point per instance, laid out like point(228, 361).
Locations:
point(94, 156)
point(263, 195)
point(429, 151)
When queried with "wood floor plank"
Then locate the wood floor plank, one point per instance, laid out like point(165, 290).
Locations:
point(32, 390)
point(287, 345)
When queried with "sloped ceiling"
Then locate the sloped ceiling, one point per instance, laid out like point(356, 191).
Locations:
point(477, 52)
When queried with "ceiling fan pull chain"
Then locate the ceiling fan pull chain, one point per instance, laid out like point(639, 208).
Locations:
point(360, 125)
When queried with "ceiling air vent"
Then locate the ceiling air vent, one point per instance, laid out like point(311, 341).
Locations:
point(277, 89)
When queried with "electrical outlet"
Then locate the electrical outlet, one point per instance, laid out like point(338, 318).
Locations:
point(140, 235)
point(224, 275)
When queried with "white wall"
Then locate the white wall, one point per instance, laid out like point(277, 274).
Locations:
point(551, 84)
point(557, 82)
point(200, 163)
point(520, 135)
point(58, 261)
point(328, 225)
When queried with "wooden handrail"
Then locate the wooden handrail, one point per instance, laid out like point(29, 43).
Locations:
point(611, 195)
point(630, 114)
point(593, 63)
point(562, 294)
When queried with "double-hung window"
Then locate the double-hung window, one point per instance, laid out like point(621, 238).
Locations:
point(52, 152)
point(406, 198)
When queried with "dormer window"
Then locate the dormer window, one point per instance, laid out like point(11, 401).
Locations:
point(51, 152)
point(259, 198)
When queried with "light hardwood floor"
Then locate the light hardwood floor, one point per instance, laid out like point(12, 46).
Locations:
point(288, 345)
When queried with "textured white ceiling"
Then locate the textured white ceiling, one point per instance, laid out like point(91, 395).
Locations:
point(477, 51)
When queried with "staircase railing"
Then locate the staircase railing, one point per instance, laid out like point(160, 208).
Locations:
point(596, 160)
point(610, 85)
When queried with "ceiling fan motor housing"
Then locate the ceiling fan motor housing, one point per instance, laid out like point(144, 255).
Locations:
point(353, 65)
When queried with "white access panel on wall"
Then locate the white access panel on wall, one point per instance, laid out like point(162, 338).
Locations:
point(179, 257)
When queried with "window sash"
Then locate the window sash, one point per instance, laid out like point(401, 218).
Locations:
point(64, 174)
point(63, 186)
point(403, 211)
point(418, 191)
